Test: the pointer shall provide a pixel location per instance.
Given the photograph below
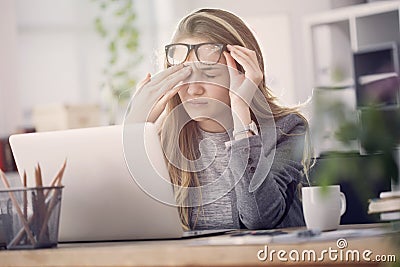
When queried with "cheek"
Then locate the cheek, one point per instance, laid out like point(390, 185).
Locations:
point(223, 80)
point(220, 93)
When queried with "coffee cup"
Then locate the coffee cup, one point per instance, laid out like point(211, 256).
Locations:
point(323, 206)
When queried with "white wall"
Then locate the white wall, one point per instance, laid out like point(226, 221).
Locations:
point(56, 55)
point(50, 52)
point(9, 111)
point(59, 54)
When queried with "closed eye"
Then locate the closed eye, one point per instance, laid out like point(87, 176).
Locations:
point(211, 73)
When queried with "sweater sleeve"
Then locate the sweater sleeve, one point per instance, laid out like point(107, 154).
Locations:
point(267, 171)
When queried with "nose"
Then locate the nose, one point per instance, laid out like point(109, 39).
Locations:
point(195, 88)
point(191, 57)
point(194, 85)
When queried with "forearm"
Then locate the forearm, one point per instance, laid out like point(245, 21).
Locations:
point(263, 178)
point(241, 116)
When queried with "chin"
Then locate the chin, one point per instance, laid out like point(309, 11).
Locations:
point(197, 116)
point(199, 119)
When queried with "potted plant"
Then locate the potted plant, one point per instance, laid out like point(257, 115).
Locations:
point(377, 131)
point(116, 24)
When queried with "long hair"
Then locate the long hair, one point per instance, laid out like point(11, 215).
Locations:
point(218, 26)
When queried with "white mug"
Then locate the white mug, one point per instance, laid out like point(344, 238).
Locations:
point(323, 207)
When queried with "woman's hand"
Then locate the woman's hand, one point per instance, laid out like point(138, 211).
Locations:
point(242, 85)
point(248, 59)
point(153, 93)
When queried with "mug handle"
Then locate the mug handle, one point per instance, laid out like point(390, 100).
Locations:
point(343, 203)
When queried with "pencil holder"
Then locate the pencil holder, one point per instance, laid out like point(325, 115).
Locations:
point(29, 217)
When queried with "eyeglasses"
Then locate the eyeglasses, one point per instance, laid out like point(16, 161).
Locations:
point(206, 53)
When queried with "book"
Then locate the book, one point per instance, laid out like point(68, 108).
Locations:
point(378, 205)
point(366, 79)
point(389, 194)
point(390, 216)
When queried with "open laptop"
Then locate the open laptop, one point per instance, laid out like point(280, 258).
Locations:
point(100, 200)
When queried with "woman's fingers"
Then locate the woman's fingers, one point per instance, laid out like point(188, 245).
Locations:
point(248, 59)
point(143, 82)
point(172, 80)
point(230, 62)
point(162, 94)
point(243, 89)
point(236, 76)
point(145, 104)
point(158, 78)
point(155, 88)
point(161, 76)
point(244, 60)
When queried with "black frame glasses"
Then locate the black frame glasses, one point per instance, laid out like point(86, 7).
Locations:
point(195, 47)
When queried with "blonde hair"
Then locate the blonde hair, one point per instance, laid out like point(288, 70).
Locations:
point(223, 27)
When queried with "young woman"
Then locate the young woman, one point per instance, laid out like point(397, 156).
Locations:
point(235, 156)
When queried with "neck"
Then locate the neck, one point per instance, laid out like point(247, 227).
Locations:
point(213, 126)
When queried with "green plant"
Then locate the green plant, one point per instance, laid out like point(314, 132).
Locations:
point(116, 23)
point(378, 132)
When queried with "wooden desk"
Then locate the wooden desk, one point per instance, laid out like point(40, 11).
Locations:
point(185, 253)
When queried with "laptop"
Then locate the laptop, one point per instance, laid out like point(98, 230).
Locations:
point(101, 201)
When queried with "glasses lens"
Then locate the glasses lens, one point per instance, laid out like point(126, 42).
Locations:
point(176, 54)
point(209, 53)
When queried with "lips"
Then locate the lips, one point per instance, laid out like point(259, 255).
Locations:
point(197, 102)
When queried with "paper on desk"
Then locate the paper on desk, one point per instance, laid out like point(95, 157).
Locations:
point(330, 235)
point(227, 240)
point(289, 238)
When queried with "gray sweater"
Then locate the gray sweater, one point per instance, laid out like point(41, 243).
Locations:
point(251, 183)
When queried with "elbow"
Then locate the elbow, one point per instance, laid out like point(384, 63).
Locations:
point(264, 219)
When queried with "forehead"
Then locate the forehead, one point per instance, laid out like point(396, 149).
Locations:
point(192, 40)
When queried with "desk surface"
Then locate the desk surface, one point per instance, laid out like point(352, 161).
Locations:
point(192, 252)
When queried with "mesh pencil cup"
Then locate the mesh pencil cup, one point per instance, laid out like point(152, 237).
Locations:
point(29, 217)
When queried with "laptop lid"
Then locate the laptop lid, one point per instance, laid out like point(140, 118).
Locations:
point(100, 199)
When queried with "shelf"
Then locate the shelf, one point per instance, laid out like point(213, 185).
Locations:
point(351, 12)
point(373, 29)
point(352, 50)
point(332, 53)
point(334, 37)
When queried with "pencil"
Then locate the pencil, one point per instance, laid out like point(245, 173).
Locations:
point(25, 197)
point(53, 201)
point(41, 205)
point(57, 179)
point(17, 208)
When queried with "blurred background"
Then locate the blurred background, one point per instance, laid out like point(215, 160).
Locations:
point(75, 63)
point(52, 53)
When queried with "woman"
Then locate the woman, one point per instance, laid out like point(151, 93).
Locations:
point(235, 156)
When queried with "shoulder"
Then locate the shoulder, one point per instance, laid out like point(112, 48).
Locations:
point(291, 123)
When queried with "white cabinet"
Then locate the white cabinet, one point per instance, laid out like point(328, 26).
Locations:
point(333, 36)
point(333, 39)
